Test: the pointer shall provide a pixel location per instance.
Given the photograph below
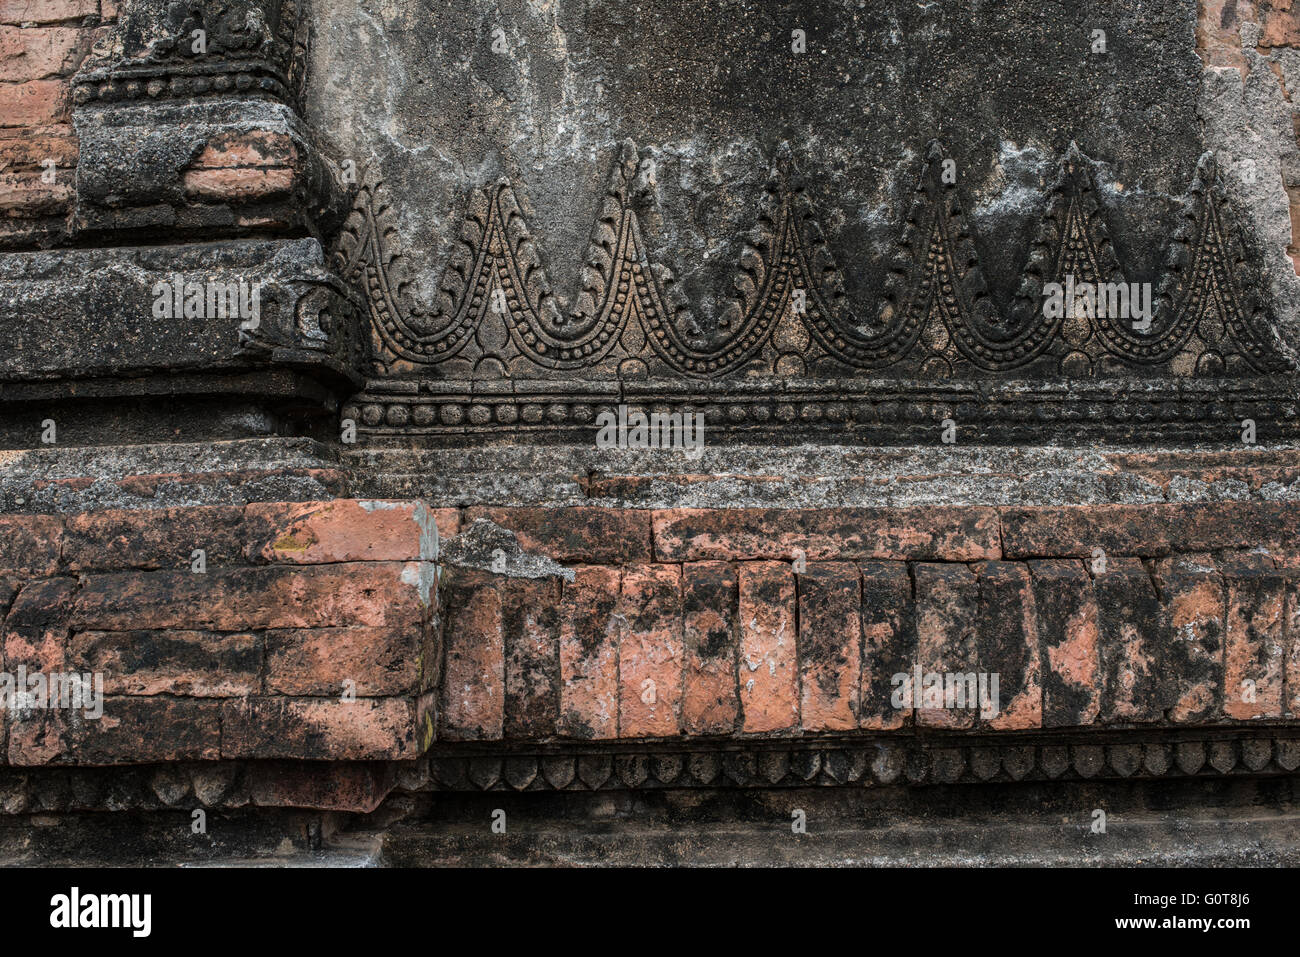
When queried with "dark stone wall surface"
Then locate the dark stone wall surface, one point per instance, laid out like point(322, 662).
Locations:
point(709, 88)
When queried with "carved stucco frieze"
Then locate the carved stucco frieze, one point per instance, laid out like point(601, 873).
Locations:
point(495, 315)
point(791, 347)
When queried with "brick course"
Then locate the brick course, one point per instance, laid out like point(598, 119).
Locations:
point(305, 603)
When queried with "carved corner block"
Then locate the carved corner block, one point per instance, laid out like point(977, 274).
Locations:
point(187, 117)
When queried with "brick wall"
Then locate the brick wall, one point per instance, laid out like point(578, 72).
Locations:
point(707, 606)
point(250, 657)
point(662, 624)
point(42, 42)
point(676, 622)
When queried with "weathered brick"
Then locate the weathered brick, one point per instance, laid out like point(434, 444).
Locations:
point(1008, 647)
point(530, 625)
point(342, 530)
point(1192, 605)
point(768, 665)
point(117, 539)
point(37, 627)
point(830, 646)
point(29, 148)
point(888, 643)
point(372, 594)
point(366, 729)
point(137, 730)
point(378, 662)
point(589, 653)
point(238, 185)
point(37, 737)
point(34, 53)
point(1279, 22)
point(1152, 530)
point(24, 193)
point(46, 11)
point(1134, 647)
point(30, 544)
point(709, 602)
point(1218, 36)
point(188, 663)
point(33, 103)
point(247, 148)
point(473, 687)
point(930, 533)
point(601, 536)
point(1070, 643)
point(35, 640)
point(1254, 657)
point(947, 601)
point(650, 651)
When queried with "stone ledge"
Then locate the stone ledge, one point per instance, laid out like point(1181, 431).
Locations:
point(81, 314)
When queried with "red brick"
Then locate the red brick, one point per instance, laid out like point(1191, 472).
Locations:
point(947, 601)
point(265, 148)
point(1136, 685)
point(1192, 601)
point(243, 185)
point(1255, 640)
point(888, 643)
point(768, 666)
point(117, 539)
point(1008, 646)
point(24, 193)
point(37, 627)
point(448, 522)
point(30, 544)
point(27, 149)
point(35, 738)
point(33, 103)
point(930, 533)
point(343, 530)
point(367, 729)
point(1155, 530)
point(473, 685)
point(188, 663)
point(317, 661)
point(33, 53)
point(650, 651)
point(374, 594)
point(1279, 22)
point(1218, 33)
point(530, 624)
point(46, 11)
point(830, 646)
point(1070, 643)
point(709, 601)
point(140, 730)
point(35, 639)
point(589, 653)
point(600, 536)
